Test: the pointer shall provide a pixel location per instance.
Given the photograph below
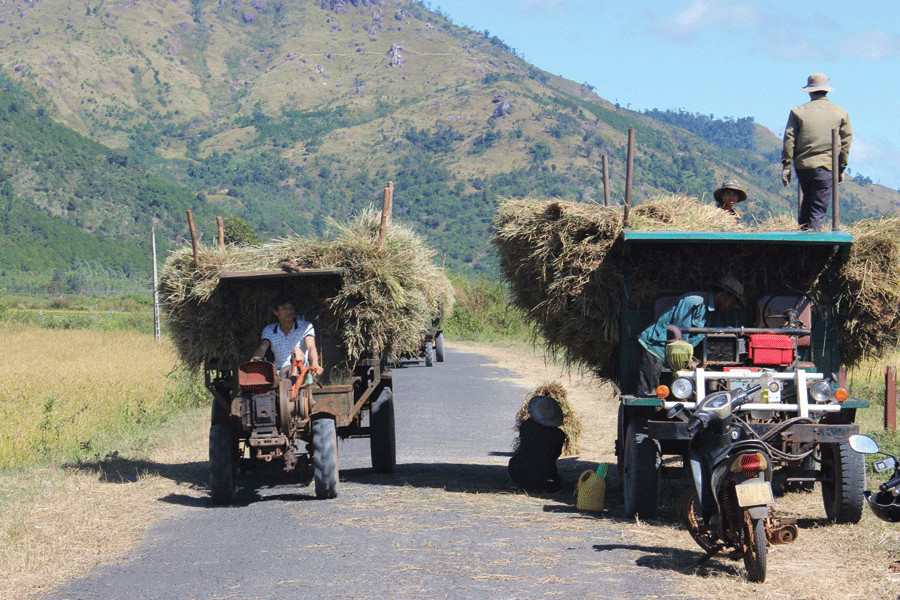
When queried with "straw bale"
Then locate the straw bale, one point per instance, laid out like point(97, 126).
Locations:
point(870, 284)
point(565, 267)
point(571, 423)
point(387, 295)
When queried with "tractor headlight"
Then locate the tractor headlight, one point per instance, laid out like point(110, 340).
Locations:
point(682, 388)
point(821, 391)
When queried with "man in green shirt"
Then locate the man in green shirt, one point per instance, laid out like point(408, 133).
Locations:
point(807, 144)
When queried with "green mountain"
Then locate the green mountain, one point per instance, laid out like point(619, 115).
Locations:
point(286, 113)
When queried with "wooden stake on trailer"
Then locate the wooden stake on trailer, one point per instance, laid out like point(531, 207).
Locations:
point(221, 225)
point(890, 398)
point(835, 178)
point(193, 237)
point(628, 172)
point(387, 208)
point(605, 182)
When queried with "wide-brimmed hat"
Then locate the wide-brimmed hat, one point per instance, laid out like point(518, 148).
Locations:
point(730, 185)
point(731, 285)
point(817, 82)
point(546, 411)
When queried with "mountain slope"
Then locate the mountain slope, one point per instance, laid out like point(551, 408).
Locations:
point(287, 113)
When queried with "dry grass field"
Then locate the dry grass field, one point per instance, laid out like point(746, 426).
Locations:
point(61, 518)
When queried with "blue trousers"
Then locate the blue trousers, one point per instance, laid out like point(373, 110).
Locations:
point(816, 187)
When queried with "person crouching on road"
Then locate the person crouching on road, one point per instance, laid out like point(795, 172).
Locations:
point(289, 332)
point(533, 464)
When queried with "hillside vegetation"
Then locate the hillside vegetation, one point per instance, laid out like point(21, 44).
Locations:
point(287, 113)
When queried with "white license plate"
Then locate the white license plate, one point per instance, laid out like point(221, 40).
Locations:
point(754, 494)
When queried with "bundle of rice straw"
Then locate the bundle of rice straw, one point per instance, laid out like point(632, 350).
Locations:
point(571, 423)
point(388, 293)
point(870, 290)
point(565, 267)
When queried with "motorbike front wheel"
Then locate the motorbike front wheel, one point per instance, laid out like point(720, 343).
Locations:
point(755, 549)
point(693, 519)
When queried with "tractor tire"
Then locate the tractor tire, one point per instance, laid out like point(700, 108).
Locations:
point(641, 465)
point(223, 462)
point(325, 458)
point(382, 441)
point(429, 354)
point(843, 478)
point(439, 347)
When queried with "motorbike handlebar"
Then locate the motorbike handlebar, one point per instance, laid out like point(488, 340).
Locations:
point(889, 484)
point(745, 397)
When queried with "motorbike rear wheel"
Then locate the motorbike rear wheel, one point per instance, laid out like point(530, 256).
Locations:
point(755, 549)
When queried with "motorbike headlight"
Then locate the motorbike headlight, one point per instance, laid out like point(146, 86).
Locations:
point(821, 391)
point(682, 388)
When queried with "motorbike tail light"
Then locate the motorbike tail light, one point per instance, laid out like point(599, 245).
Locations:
point(662, 392)
point(750, 464)
point(841, 394)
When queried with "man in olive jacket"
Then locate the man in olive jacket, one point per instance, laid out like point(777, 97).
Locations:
point(807, 143)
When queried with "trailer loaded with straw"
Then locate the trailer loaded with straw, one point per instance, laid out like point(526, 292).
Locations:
point(815, 302)
point(366, 290)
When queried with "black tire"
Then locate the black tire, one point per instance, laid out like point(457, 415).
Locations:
point(325, 458)
point(756, 550)
point(640, 480)
point(693, 519)
point(429, 354)
point(439, 347)
point(843, 482)
point(382, 441)
point(222, 463)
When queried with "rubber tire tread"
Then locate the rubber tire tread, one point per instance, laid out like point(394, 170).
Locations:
point(325, 458)
point(429, 354)
point(844, 502)
point(382, 439)
point(755, 558)
point(640, 480)
point(439, 347)
point(222, 464)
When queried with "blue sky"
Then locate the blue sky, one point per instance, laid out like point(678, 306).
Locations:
point(728, 59)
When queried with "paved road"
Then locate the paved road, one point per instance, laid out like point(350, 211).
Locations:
point(445, 525)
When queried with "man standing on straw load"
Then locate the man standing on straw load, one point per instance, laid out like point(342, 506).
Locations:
point(807, 144)
point(289, 332)
point(690, 310)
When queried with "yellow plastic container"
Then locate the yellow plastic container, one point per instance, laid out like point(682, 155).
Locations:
point(590, 492)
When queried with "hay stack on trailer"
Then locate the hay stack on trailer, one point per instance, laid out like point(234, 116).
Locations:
point(565, 263)
point(389, 291)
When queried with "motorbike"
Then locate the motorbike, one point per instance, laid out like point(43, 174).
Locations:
point(885, 503)
point(728, 509)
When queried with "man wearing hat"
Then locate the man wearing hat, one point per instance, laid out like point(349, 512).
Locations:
point(807, 144)
point(690, 310)
point(728, 195)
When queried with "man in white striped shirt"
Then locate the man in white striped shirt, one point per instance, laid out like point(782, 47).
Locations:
point(286, 334)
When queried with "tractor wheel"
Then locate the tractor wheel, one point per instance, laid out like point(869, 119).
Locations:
point(223, 445)
point(843, 481)
point(382, 442)
point(640, 480)
point(439, 347)
point(325, 458)
point(429, 354)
